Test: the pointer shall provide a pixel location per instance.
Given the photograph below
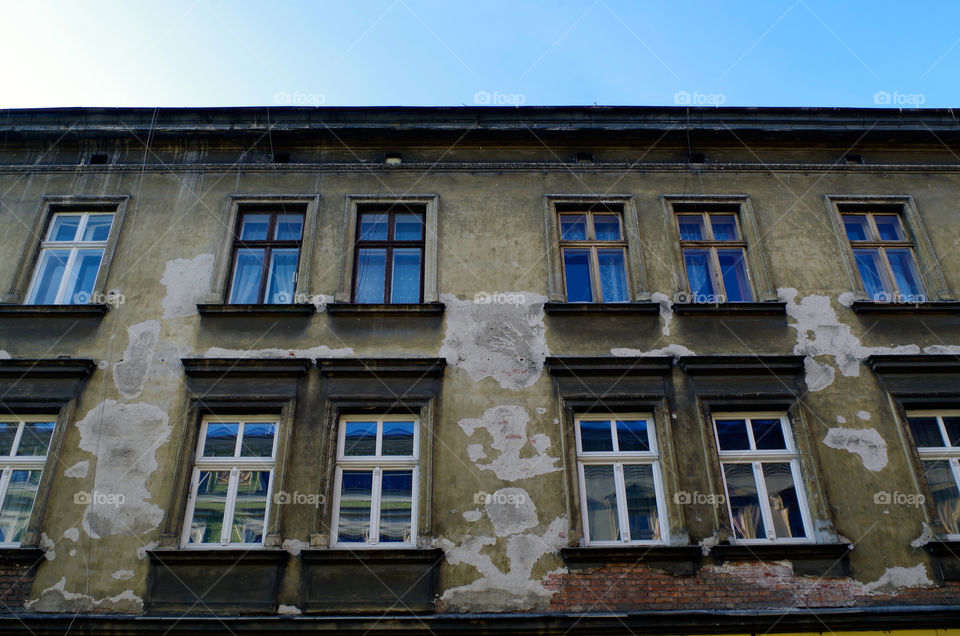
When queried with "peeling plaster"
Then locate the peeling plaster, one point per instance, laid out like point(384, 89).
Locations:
point(320, 351)
point(865, 442)
point(503, 341)
point(289, 610)
point(57, 599)
point(473, 515)
point(73, 534)
point(818, 376)
point(541, 410)
point(511, 511)
point(896, 578)
point(78, 470)
point(952, 350)
point(841, 419)
point(48, 546)
point(925, 537)
point(864, 415)
point(507, 425)
point(123, 575)
point(846, 299)
point(187, 283)
point(4, 355)
point(130, 374)
point(674, 350)
point(294, 546)
point(142, 550)
point(666, 310)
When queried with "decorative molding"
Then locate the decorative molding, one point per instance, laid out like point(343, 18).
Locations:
point(608, 366)
point(373, 367)
point(240, 367)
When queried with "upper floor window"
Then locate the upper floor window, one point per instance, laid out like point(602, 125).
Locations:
point(24, 444)
point(714, 256)
point(70, 257)
point(389, 256)
point(621, 490)
point(761, 475)
point(884, 256)
point(266, 252)
point(937, 436)
point(594, 255)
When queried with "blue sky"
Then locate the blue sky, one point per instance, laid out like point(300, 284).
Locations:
point(434, 52)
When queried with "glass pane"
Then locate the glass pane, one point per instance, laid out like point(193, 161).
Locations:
point(355, 493)
point(905, 274)
point(871, 273)
point(613, 276)
point(221, 439)
point(396, 506)
point(373, 226)
point(405, 283)
point(889, 228)
point(732, 435)
point(246, 277)
point(408, 226)
point(747, 521)
point(250, 512)
point(607, 227)
point(51, 268)
point(576, 269)
point(691, 227)
point(283, 271)
point(926, 432)
point(371, 274)
point(254, 227)
point(724, 227)
point(8, 431)
point(946, 498)
point(601, 496)
point(289, 227)
point(35, 439)
point(632, 435)
point(857, 227)
point(360, 438)
point(257, 439)
point(952, 424)
point(83, 277)
point(64, 227)
point(595, 437)
point(733, 270)
point(17, 504)
point(397, 438)
point(782, 495)
point(768, 434)
point(698, 275)
point(573, 227)
point(211, 501)
point(641, 502)
point(98, 227)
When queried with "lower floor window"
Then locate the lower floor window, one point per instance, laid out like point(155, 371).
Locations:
point(24, 443)
point(937, 436)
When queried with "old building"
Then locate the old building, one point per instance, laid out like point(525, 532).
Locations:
point(451, 370)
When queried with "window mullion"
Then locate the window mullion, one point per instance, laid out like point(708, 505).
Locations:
point(67, 271)
point(764, 500)
point(375, 493)
point(622, 516)
point(715, 272)
point(15, 447)
point(5, 483)
point(229, 506)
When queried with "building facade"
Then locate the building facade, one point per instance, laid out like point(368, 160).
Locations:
point(442, 370)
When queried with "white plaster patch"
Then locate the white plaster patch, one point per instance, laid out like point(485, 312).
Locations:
point(122, 575)
point(130, 374)
point(73, 534)
point(56, 598)
point(864, 415)
point(294, 546)
point(841, 419)
point(48, 546)
point(73, 552)
point(320, 301)
point(864, 442)
point(289, 610)
point(475, 452)
point(894, 579)
point(511, 511)
point(4, 355)
point(925, 537)
point(846, 299)
point(670, 350)
point(142, 550)
point(817, 376)
point(666, 310)
point(507, 425)
point(321, 351)
point(473, 515)
point(505, 342)
point(541, 410)
point(78, 470)
point(124, 438)
point(952, 350)
point(187, 283)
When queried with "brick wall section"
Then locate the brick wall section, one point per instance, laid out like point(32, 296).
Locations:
point(15, 584)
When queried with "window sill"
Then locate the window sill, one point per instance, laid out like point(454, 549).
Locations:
point(776, 308)
point(946, 557)
point(599, 309)
point(385, 309)
point(256, 310)
point(53, 311)
point(935, 307)
point(814, 559)
point(682, 560)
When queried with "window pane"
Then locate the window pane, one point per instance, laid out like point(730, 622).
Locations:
point(254, 227)
point(613, 276)
point(250, 512)
point(691, 227)
point(371, 274)
point(221, 439)
point(724, 227)
point(51, 268)
point(211, 500)
point(784, 507)
point(905, 274)
point(698, 274)
point(83, 277)
point(408, 226)
point(360, 438)
point(733, 270)
point(405, 285)
point(632, 435)
point(64, 227)
point(746, 518)
point(35, 439)
point(926, 432)
point(289, 227)
point(889, 228)
point(606, 227)
point(98, 227)
point(396, 506)
point(17, 504)
point(641, 502)
point(857, 227)
point(257, 439)
point(871, 273)
point(952, 424)
point(768, 434)
point(946, 498)
point(283, 271)
point(8, 431)
point(355, 494)
point(573, 227)
point(576, 268)
point(397, 438)
point(246, 277)
point(373, 226)
point(595, 437)
point(732, 435)
point(601, 498)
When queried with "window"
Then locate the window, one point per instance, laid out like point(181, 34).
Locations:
point(266, 253)
point(375, 500)
point(937, 436)
point(620, 483)
point(884, 256)
point(70, 257)
point(593, 251)
point(389, 256)
point(24, 443)
point(760, 474)
point(714, 256)
point(232, 479)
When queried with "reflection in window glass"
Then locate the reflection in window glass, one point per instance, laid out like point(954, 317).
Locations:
point(601, 499)
point(937, 437)
point(69, 259)
point(25, 444)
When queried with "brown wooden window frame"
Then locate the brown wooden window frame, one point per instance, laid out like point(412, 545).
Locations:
point(268, 245)
point(388, 245)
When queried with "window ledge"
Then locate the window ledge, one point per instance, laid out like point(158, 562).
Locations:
point(222, 556)
point(385, 309)
point(775, 308)
point(815, 559)
point(598, 309)
point(256, 310)
point(946, 556)
point(934, 307)
point(21, 557)
point(245, 367)
point(678, 560)
point(53, 311)
point(371, 555)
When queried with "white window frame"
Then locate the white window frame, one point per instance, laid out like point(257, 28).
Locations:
point(10, 463)
point(618, 459)
point(377, 463)
point(756, 458)
point(74, 247)
point(947, 452)
point(234, 465)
